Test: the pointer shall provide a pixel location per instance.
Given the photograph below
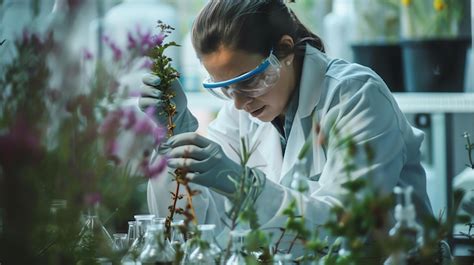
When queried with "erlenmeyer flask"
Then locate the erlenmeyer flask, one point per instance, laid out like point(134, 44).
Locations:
point(157, 249)
point(94, 239)
point(133, 253)
point(204, 249)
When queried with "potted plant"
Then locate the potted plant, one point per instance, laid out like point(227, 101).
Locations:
point(377, 40)
point(434, 56)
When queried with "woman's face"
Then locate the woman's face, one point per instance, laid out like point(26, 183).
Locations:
point(225, 64)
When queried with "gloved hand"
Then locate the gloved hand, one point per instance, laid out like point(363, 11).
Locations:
point(205, 162)
point(150, 96)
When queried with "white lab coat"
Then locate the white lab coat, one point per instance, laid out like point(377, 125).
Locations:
point(348, 95)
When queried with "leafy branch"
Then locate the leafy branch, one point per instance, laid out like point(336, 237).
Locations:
point(161, 66)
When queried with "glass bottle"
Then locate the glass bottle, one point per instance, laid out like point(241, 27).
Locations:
point(282, 259)
point(133, 253)
point(406, 231)
point(206, 250)
point(237, 257)
point(157, 250)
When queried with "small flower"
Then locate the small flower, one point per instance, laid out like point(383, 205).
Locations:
point(153, 170)
point(439, 5)
point(466, 135)
point(159, 134)
point(92, 198)
point(406, 2)
point(111, 151)
point(147, 64)
point(158, 40)
point(132, 43)
point(143, 126)
point(87, 54)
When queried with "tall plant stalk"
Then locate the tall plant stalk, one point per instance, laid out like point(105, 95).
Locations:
point(162, 68)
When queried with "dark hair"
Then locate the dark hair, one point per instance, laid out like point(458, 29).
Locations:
point(254, 26)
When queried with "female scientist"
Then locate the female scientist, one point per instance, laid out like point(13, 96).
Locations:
point(278, 79)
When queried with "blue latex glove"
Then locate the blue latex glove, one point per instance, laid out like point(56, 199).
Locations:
point(205, 162)
point(150, 96)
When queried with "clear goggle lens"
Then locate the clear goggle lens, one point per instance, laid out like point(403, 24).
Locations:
point(253, 85)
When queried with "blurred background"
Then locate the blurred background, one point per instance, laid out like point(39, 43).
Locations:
point(421, 48)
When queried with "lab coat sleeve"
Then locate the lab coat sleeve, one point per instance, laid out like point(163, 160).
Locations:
point(368, 116)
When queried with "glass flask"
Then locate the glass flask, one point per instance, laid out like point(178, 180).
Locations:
point(206, 250)
point(94, 239)
point(237, 257)
point(133, 253)
point(282, 259)
point(157, 250)
point(131, 234)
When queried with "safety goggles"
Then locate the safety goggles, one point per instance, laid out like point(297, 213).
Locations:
point(252, 84)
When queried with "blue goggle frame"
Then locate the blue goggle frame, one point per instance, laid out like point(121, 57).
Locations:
point(260, 69)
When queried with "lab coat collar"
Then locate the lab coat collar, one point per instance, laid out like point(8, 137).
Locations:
point(314, 69)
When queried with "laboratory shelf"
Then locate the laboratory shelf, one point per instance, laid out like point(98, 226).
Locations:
point(408, 102)
point(435, 102)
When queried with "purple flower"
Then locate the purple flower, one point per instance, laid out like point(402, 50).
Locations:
point(158, 40)
point(150, 111)
point(153, 170)
point(147, 64)
point(143, 126)
point(92, 198)
point(20, 146)
point(111, 123)
point(129, 118)
point(111, 151)
point(159, 133)
point(132, 43)
point(116, 51)
point(87, 54)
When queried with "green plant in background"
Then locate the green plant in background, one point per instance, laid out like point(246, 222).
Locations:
point(377, 20)
point(421, 19)
point(63, 136)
